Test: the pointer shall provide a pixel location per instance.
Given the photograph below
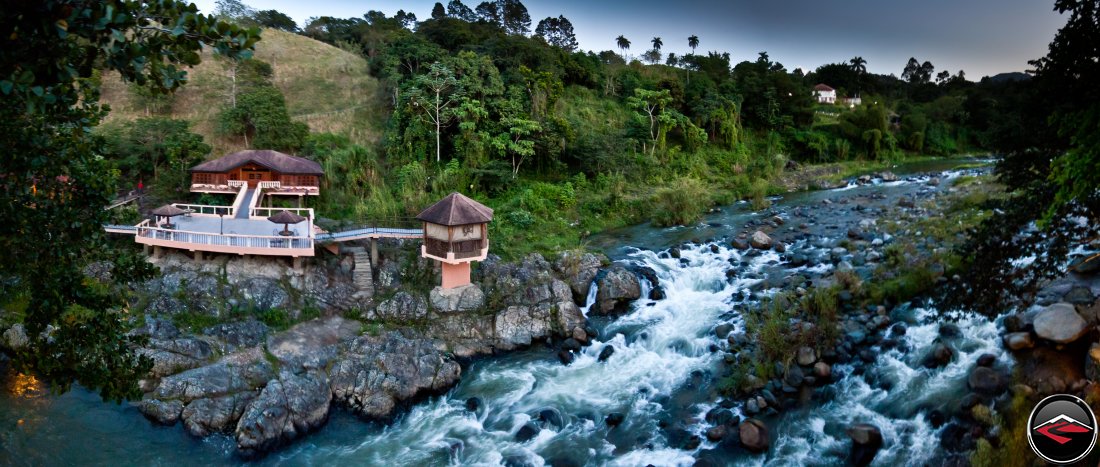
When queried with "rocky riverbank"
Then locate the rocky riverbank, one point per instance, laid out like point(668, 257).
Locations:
point(228, 358)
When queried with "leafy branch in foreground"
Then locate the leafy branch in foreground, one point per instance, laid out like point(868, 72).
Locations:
point(54, 181)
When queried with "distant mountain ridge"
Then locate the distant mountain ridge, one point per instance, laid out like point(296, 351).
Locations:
point(1009, 77)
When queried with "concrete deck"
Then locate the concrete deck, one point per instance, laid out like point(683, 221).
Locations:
point(233, 226)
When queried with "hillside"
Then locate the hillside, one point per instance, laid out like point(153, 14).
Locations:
point(327, 88)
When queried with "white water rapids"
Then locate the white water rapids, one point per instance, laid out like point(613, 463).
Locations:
point(660, 346)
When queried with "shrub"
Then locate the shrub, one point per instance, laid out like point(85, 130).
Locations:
point(679, 204)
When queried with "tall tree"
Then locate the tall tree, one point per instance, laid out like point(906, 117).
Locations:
point(514, 17)
point(434, 96)
point(557, 32)
point(693, 42)
point(672, 60)
point(438, 12)
point(623, 43)
point(859, 65)
point(489, 13)
point(459, 10)
point(657, 43)
point(55, 184)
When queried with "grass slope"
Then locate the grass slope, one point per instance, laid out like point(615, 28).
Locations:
point(327, 88)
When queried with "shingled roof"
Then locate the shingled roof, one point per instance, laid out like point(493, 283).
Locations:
point(823, 87)
point(456, 209)
point(274, 160)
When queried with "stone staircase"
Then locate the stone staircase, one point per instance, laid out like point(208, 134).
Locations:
point(362, 276)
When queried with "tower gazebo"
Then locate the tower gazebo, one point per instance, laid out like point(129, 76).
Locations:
point(455, 234)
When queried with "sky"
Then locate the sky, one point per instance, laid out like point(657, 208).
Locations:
point(982, 37)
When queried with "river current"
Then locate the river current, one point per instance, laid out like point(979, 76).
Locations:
point(662, 377)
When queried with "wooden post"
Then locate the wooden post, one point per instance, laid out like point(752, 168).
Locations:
point(198, 256)
point(373, 252)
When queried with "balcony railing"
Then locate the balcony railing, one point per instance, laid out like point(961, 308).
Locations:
point(459, 250)
point(206, 210)
point(230, 241)
point(268, 212)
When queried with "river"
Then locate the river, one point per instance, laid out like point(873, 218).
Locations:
point(662, 377)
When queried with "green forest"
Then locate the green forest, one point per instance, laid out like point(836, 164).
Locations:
point(562, 143)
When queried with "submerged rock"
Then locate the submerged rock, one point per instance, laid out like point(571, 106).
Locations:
point(987, 381)
point(866, 442)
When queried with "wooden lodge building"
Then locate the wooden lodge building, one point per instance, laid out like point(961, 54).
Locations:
point(281, 174)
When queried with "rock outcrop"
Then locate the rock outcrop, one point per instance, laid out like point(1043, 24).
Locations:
point(617, 287)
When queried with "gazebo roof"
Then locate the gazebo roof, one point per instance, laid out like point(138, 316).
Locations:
point(286, 217)
point(168, 210)
point(273, 160)
point(456, 209)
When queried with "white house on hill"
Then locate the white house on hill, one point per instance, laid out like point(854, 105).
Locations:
point(825, 94)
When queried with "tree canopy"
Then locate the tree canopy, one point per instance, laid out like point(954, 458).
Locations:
point(56, 185)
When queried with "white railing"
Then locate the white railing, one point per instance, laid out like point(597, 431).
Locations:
point(229, 240)
point(268, 212)
point(240, 196)
point(206, 210)
point(262, 185)
point(236, 183)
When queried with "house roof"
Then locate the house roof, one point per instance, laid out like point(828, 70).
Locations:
point(273, 160)
point(456, 209)
point(823, 87)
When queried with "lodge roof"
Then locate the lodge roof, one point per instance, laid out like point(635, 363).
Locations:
point(274, 160)
point(456, 209)
point(823, 87)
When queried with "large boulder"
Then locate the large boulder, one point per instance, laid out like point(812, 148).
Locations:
point(215, 415)
point(616, 287)
point(579, 269)
point(1088, 264)
point(403, 306)
point(165, 412)
point(15, 337)
point(239, 372)
point(312, 344)
point(1060, 323)
point(519, 326)
point(377, 372)
point(866, 441)
point(466, 298)
point(176, 355)
point(754, 435)
point(1092, 363)
point(760, 240)
point(287, 408)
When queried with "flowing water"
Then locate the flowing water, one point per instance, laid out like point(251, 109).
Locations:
point(662, 376)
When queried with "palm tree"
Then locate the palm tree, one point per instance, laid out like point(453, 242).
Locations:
point(858, 64)
point(623, 43)
point(657, 43)
point(693, 42)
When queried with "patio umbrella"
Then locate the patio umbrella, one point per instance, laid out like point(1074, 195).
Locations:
point(286, 218)
point(169, 211)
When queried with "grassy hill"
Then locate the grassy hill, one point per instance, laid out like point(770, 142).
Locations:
point(327, 88)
